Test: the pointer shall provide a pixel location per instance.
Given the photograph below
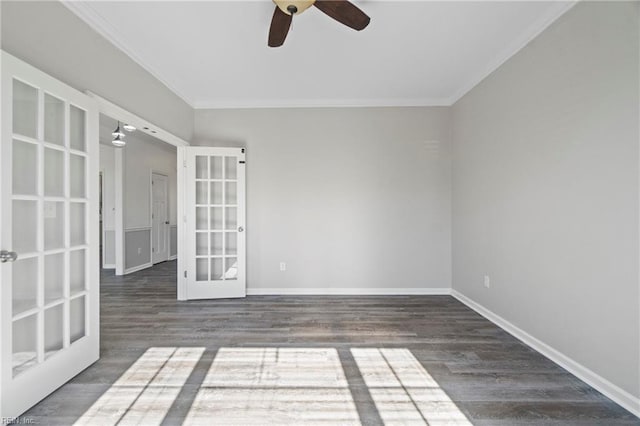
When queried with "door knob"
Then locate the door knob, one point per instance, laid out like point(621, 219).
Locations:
point(240, 229)
point(8, 256)
point(166, 223)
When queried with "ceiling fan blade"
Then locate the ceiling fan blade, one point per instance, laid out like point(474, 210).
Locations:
point(344, 12)
point(280, 24)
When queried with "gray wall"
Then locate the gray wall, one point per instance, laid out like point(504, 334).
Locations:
point(142, 156)
point(137, 248)
point(348, 198)
point(109, 247)
point(50, 37)
point(545, 190)
point(173, 240)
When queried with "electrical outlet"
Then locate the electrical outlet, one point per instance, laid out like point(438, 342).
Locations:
point(283, 266)
point(487, 281)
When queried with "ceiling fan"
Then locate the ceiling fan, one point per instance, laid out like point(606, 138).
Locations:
point(342, 11)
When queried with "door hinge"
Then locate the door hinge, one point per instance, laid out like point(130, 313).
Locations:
point(184, 163)
point(241, 161)
point(242, 150)
point(185, 274)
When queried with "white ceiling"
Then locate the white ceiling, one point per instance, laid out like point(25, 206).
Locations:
point(214, 54)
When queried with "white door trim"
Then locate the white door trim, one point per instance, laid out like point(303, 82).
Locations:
point(181, 168)
point(119, 230)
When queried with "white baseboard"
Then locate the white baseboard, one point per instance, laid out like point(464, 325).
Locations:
point(174, 257)
point(342, 291)
point(138, 268)
point(109, 266)
point(615, 393)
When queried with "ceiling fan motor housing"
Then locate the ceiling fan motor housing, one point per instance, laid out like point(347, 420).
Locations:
point(296, 7)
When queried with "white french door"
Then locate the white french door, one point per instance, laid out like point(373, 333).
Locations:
point(159, 218)
point(49, 277)
point(215, 220)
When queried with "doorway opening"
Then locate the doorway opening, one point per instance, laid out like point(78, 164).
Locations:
point(139, 199)
point(160, 219)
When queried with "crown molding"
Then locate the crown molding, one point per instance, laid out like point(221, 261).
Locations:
point(559, 8)
point(90, 16)
point(321, 103)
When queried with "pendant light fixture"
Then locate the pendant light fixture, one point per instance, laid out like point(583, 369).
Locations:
point(129, 127)
point(119, 141)
point(118, 137)
point(117, 132)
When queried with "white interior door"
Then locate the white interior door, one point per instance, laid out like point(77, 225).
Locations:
point(160, 217)
point(49, 278)
point(215, 222)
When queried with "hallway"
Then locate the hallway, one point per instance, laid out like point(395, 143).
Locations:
point(320, 360)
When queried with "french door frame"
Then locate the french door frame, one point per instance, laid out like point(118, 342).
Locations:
point(184, 206)
point(19, 392)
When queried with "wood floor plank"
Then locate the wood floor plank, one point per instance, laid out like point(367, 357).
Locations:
point(469, 364)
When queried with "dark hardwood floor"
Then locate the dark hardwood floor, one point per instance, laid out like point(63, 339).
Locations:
point(468, 371)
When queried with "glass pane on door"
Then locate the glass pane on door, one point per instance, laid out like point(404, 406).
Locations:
point(231, 218)
point(53, 172)
point(216, 243)
point(77, 318)
point(78, 182)
point(77, 224)
point(53, 120)
point(231, 268)
point(25, 168)
point(53, 330)
point(231, 245)
point(53, 225)
point(216, 167)
point(216, 193)
point(77, 131)
point(202, 269)
point(25, 226)
point(230, 168)
point(216, 269)
point(231, 193)
point(77, 275)
point(53, 277)
point(201, 193)
point(216, 218)
point(25, 109)
point(202, 246)
point(24, 343)
point(25, 285)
